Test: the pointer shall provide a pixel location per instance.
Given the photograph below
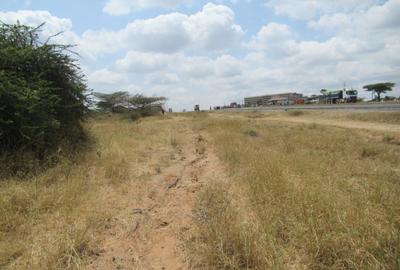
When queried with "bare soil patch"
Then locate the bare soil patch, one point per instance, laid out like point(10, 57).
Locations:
point(149, 234)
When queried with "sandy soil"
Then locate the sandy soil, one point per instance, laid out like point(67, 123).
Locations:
point(149, 234)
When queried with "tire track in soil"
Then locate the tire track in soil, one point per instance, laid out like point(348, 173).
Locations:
point(151, 239)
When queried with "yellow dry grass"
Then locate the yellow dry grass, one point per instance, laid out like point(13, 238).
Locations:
point(300, 195)
point(49, 221)
point(313, 197)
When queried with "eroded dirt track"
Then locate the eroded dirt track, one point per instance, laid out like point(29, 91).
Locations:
point(148, 235)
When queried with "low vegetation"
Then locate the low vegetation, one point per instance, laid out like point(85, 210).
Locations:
point(51, 221)
point(303, 196)
point(383, 117)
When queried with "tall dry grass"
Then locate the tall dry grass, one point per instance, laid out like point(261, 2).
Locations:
point(363, 116)
point(50, 221)
point(311, 197)
point(380, 117)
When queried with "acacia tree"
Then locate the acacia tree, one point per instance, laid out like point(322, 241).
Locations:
point(112, 102)
point(42, 91)
point(140, 102)
point(379, 88)
point(123, 102)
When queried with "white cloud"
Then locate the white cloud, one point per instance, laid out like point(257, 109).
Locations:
point(275, 39)
point(162, 78)
point(195, 59)
point(105, 76)
point(228, 66)
point(53, 25)
point(308, 9)
point(212, 28)
point(141, 62)
point(197, 67)
point(377, 18)
point(123, 7)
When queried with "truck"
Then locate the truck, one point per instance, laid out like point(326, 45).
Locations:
point(340, 96)
point(351, 96)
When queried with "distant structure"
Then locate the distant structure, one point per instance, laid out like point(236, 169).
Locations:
point(276, 99)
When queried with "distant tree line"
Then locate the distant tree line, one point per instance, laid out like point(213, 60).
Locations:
point(42, 91)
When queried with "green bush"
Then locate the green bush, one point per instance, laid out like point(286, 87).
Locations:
point(42, 92)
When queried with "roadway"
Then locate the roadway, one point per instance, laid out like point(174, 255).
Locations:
point(383, 107)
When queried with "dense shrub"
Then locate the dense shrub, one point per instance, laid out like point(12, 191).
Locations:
point(42, 91)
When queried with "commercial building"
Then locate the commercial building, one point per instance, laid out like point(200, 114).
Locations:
point(275, 99)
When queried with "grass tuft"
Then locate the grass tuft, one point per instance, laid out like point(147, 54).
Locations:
point(251, 133)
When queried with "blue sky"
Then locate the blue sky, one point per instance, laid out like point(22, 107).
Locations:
point(215, 52)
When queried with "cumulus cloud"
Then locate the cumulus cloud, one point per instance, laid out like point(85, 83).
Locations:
point(180, 76)
point(380, 17)
point(195, 58)
point(275, 39)
point(123, 7)
point(212, 28)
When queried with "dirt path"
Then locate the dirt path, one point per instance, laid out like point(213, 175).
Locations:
point(148, 235)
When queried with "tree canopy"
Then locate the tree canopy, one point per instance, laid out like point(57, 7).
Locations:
point(123, 101)
point(379, 88)
point(42, 91)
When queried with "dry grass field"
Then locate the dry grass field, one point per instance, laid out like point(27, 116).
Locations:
point(51, 221)
point(290, 190)
point(312, 196)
